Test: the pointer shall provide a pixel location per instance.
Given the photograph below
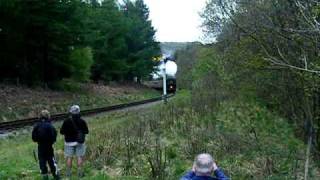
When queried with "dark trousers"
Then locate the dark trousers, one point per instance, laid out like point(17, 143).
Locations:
point(46, 155)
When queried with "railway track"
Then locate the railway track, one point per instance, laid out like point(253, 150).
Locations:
point(17, 124)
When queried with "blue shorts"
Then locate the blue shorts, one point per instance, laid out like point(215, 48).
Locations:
point(78, 150)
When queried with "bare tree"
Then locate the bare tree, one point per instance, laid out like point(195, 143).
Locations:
point(287, 37)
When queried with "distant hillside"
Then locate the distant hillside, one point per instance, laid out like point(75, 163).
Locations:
point(172, 47)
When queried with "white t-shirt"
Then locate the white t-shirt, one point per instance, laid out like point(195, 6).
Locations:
point(70, 143)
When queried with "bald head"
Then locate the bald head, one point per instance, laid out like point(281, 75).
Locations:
point(203, 164)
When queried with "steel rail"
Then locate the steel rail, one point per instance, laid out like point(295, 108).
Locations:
point(17, 124)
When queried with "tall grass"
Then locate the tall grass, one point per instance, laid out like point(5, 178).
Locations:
point(246, 140)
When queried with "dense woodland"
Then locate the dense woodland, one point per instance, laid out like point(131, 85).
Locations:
point(45, 41)
point(263, 51)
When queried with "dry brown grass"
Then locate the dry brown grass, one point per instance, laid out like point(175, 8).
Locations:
point(22, 102)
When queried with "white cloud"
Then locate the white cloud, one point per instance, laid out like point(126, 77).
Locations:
point(176, 20)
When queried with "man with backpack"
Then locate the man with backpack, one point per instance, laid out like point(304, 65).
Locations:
point(74, 130)
point(45, 135)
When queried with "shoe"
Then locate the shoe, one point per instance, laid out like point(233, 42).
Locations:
point(44, 177)
point(68, 173)
point(56, 177)
point(80, 174)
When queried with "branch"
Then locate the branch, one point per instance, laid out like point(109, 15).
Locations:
point(302, 31)
point(264, 48)
point(305, 61)
point(301, 9)
point(277, 62)
point(281, 55)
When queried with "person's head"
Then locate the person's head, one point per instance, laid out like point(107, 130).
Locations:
point(44, 114)
point(75, 111)
point(203, 165)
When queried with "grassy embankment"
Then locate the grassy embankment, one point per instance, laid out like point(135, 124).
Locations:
point(22, 102)
point(247, 141)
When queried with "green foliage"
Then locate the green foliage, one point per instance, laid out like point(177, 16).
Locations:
point(106, 37)
point(269, 55)
point(80, 62)
point(185, 60)
point(119, 53)
point(36, 46)
point(246, 140)
point(67, 85)
point(140, 40)
point(40, 40)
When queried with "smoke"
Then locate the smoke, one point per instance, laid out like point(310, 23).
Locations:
point(171, 68)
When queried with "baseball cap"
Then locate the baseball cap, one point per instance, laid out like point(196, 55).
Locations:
point(74, 109)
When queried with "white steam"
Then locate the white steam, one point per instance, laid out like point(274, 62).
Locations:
point(171, 68)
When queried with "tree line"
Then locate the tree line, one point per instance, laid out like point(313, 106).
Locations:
point(266, 51)
point(45, 41)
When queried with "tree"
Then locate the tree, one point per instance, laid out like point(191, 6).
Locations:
point(42, 41)
point(278, 27)
point(276, 43)
point(140, 40)
point(37, 37)
point(107, 38)
point(80, 64)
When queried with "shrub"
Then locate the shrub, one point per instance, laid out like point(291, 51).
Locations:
point(81, 60)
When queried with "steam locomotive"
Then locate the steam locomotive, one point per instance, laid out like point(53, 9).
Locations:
point(170, 68)
point(158, 84)
point(171, 85)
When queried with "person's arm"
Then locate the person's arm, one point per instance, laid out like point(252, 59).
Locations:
point(62, 129)
point(219, 173)
point(35, 137)
point(85, 127)
point(188, 176)
point(54, 133)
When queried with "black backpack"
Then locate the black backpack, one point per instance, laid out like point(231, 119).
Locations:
point(80, 135)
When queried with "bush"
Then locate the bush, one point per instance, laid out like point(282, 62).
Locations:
point(81, 60)
point(67, 85)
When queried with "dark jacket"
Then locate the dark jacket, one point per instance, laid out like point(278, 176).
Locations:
point(219, 175)
point(44, 133)
point(70, 131)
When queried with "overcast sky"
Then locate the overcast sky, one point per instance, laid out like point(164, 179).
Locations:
point(176, 20)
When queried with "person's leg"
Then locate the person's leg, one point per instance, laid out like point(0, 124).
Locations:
point(52, 162)
point(44, 177)
point(69, 166)
point(47, 156)
point(80, 151)
point(42, 161)
point(69, 152)
point(80, 169)
point(43, 168)
point(80, 161)
point(53, 167)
